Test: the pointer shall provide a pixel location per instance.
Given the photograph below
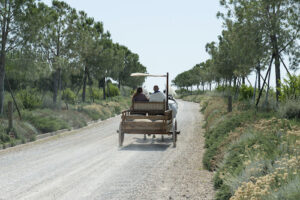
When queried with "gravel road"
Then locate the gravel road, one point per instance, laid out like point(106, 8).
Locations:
point(87, 164)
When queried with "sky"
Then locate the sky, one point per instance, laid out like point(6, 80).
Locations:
point(168, 35)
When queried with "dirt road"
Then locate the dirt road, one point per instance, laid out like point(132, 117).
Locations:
point(89, 165)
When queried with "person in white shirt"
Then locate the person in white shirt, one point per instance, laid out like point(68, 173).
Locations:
point(157, 96)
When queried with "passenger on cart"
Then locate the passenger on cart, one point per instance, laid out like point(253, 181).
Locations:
point(139, 96)
point(157, 96)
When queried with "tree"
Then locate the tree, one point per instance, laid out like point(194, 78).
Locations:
point(276, 20)
point(53, 40)
point(17, 28)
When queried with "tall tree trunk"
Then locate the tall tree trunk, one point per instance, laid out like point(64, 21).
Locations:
point(90, 83)
point(59, 88)
point(268, 89)
point(103, 86)
point(234, 82)
point(55, 85)
point(107, 90)
point(277, 64)
point(255, 85)
point(258, 76)
point(243, 80)
point(99, 83)
point(2, 78)
point(84, 84)
point(5, 26)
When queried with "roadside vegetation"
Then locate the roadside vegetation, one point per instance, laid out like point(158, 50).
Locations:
point(254, 151)
point(254, 147)
point(59, 69)
point(43, 118)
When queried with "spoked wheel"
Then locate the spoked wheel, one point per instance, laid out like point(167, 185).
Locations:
point(121, 137)
point(176, 128)
point(174, 134)
point(174, 138)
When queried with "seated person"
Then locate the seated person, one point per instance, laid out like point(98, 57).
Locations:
point(157, 96)
point(139, 96)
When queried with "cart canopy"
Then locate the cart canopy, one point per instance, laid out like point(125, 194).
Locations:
point(147, 75)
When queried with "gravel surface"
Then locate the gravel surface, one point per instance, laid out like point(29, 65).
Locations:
point(87, 164)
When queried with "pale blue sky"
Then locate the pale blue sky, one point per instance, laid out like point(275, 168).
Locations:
point(168, 35)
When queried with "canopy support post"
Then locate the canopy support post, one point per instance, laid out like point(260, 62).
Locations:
point(167, 92)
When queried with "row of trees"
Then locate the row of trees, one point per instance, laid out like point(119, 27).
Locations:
point(258, 35)
point(55, 47)
point(200, 75)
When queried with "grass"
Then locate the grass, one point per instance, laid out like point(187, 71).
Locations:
point(40, 121)
point(255, 155)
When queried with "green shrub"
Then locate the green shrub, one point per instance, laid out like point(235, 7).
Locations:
point(69, 96)
point(96, 93)
point(227, 89)
point(204, 106)
point(246, 92)
point(45, 123)
point(49, 124)
point(182, 91)
point(30, 98)
point(113, 90)
point(9, 98)
point(117, 109)
point(12, 143)
point(290, 109)
point(125, 91)
point(94, 114)
point(47, 100)
point(4, 138)
point(290, 88)
point(224, 193)
point(216, 136)
point(3, 132)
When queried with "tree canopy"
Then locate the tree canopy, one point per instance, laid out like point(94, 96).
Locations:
point(258, 35)
point(57, 47)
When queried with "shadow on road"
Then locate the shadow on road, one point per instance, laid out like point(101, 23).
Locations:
point(145, 147)
point(149, 144)
point(157, 140)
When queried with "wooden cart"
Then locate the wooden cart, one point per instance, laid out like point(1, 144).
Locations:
point(149, 118)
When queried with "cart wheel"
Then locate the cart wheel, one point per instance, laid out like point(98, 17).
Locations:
point(174, 135)
point(121, 137)
point(176, 129)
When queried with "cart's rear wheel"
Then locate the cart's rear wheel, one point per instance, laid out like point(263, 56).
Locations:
point(121, 136)
point(174, 134)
